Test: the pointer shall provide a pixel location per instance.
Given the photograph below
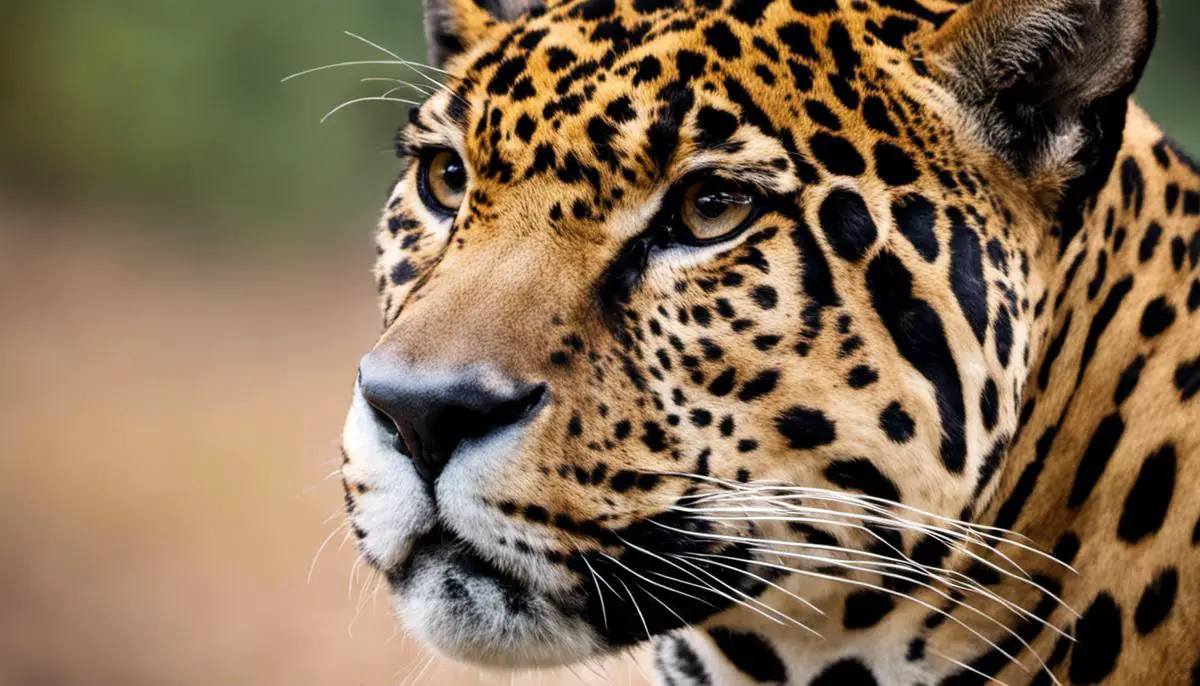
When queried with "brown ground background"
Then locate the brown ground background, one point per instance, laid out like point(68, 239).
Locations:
point(167, 423)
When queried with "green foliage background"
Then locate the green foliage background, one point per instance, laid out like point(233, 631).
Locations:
point(177, 108)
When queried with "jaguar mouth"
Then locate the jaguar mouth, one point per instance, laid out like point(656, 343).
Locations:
point(465, 607)
point(442, 543)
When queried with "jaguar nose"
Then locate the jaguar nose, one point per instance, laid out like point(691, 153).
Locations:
point(430, 413)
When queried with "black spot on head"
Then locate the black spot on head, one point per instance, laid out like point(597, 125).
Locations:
point(893, 31)
point(865, 609)
point(715, 127)
point(1191, 203)
point(1187, 379)
point(915, 218)
point(894, 166)
point(916, 650)
point(1158, 316)
point(1171, 197)
point(802, 76)
point(989, 404)
point(1095, 458)
point(1146, 505)
point(536, 514)
point(844, 55)
point(805, 428)
point(817, 280)
point(723, 384)
point(506, 75)
point(966, 273)
point(750, 109)
point(896, 423)
point(862, 376)
point(991, 462)
point(837, 155)
point(1003, 334)
point(847, 224)
point(663, 135)
point(798, 40)
point(1067, 548)
point(751, 654)
point(759, 386)
point(1129, 379)
point(592, 10)
point(1098, 642)
point(525, 128)
point(1178, 252)
point(1149, 242)
point(653, 437)
point(1156, 602)
point(690, 64)
point(876, 115)
point(765, 297)
point(749, 12)
point(648, 69)
point(558, 58)
point(720, 38)
point(861, 474)
point(1133, 189)
point(821, 114)
point(621, 110)
point(403, 272)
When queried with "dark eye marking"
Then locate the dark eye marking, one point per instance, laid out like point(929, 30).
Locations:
point(917, 331)
point(848, 224)
point(715, 126)
point(915, 218)
point(966, 272)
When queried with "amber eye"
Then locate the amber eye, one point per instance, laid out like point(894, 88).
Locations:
point(714, 209)
point(444, 178)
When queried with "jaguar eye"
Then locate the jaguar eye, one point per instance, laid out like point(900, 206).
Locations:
point(444, 179)
point(714, 209)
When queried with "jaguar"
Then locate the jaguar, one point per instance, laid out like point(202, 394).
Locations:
point(807, 342)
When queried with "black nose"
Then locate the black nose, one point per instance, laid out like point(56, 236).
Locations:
point(431, 413)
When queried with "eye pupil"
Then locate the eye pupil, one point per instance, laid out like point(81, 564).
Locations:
point(454, 176)
point(712, 206)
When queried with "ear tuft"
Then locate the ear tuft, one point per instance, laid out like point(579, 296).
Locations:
point(1044, 80)
point(452, 26)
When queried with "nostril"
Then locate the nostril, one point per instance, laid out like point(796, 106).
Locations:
point(390, 429)
point(461, 423)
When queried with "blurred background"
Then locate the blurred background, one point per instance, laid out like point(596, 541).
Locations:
point(183, 296)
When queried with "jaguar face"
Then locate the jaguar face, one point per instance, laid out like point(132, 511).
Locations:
point(681, 300)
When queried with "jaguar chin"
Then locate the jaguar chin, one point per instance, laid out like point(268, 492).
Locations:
point(814, 342)
point(450, 562)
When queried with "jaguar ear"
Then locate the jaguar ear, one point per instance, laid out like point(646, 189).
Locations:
point(453, 26)
point(1047, 82)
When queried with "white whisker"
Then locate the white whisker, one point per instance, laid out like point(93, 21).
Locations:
point(599, 592)
point(373, 98)
point(636, 607)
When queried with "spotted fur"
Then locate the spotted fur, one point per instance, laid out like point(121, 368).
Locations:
point(936, 402)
